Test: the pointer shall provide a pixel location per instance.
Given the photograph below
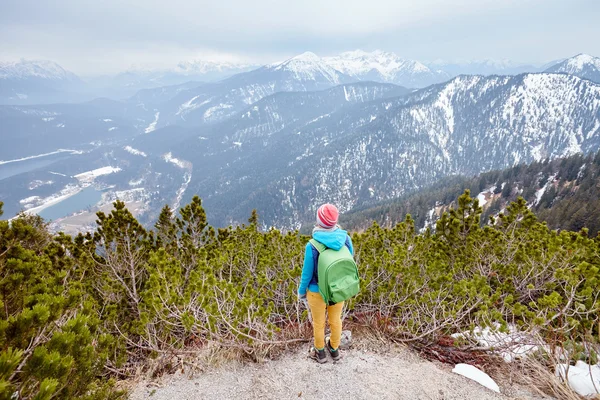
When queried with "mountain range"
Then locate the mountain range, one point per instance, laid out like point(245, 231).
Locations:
point(30, 82)
point(35, 82)
point(287, 136)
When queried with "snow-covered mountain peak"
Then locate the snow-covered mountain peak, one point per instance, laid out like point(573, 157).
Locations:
point(359, 62)
point(580, 61)
point(43, 69)
point(307, 56)
point(582, 65)
point(416, 66)
point(308, 67)
point(384, 66)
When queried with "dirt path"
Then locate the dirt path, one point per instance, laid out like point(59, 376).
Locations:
point(398, 374)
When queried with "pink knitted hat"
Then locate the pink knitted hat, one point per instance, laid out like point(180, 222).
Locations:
point(327, 216)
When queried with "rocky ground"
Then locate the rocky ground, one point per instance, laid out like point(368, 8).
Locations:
point(391, 373)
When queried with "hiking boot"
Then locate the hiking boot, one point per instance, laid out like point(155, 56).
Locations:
point(318, 355)
point(335, 354)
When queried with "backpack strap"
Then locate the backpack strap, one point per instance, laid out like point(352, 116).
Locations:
point(318, 245)
point(317, 248)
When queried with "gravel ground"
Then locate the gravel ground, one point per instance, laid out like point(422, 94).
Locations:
point(360, 374)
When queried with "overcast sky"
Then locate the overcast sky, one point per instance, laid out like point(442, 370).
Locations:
point(105, 36)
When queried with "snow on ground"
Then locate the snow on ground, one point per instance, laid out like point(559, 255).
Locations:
point(137, 182)
point(152, 126)
point(89, 176)
point(107, 120)
point(211, 110)
point(539, 193)
point(582, 378)
point(509, 345)
point(190, 105)
point(471, 372)
point(37, 183)
point(168, 157)
point(56, 173)
point(482, 196)
point(28, 201)
point(112, 128)
point(42, 155)
point(429, 221)
point(135, 152)
point(187, 178)
point(40, 204)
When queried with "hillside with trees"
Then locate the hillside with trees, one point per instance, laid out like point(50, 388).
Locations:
point(79, 313)
point(565, 193)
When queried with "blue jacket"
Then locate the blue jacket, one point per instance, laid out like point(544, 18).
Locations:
point(332, 239)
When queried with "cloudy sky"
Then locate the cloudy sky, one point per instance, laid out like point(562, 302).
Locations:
point(92, 36)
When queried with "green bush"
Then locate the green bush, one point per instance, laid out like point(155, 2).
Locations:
point(76, 311)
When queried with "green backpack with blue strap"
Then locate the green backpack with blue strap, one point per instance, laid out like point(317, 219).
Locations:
point(337, 273)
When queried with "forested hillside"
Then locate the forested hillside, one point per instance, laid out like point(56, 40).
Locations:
point(564, 192)
point(78, 313)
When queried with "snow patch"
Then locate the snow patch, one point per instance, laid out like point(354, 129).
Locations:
point(135, 151)
point(539, 193)
point(482, 196)
point(26, 201)
point(56, 173)
point(581, 377)
point(190, 106)
point(187, 178)
point(211, 110)
point(477, 375)
point(89, 176)
point(510, 345)
point(37, 183)
point(152, 126)
point(136, 183)
point(168, 157)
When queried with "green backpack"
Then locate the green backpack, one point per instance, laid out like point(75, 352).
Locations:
point(337, 273)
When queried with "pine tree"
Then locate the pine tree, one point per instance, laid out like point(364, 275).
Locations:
point(50, 339)
point(166, 229)
point(194, 235)
point(119, 251)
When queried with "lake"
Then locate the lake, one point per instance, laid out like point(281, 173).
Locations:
point(88, 197)
point(21, 167)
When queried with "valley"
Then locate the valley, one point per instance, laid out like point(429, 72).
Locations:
point(285, 137)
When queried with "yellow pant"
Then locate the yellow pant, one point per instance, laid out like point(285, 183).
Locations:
point(317, 309)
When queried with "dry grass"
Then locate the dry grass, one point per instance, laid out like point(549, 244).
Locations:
point(539, 377)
